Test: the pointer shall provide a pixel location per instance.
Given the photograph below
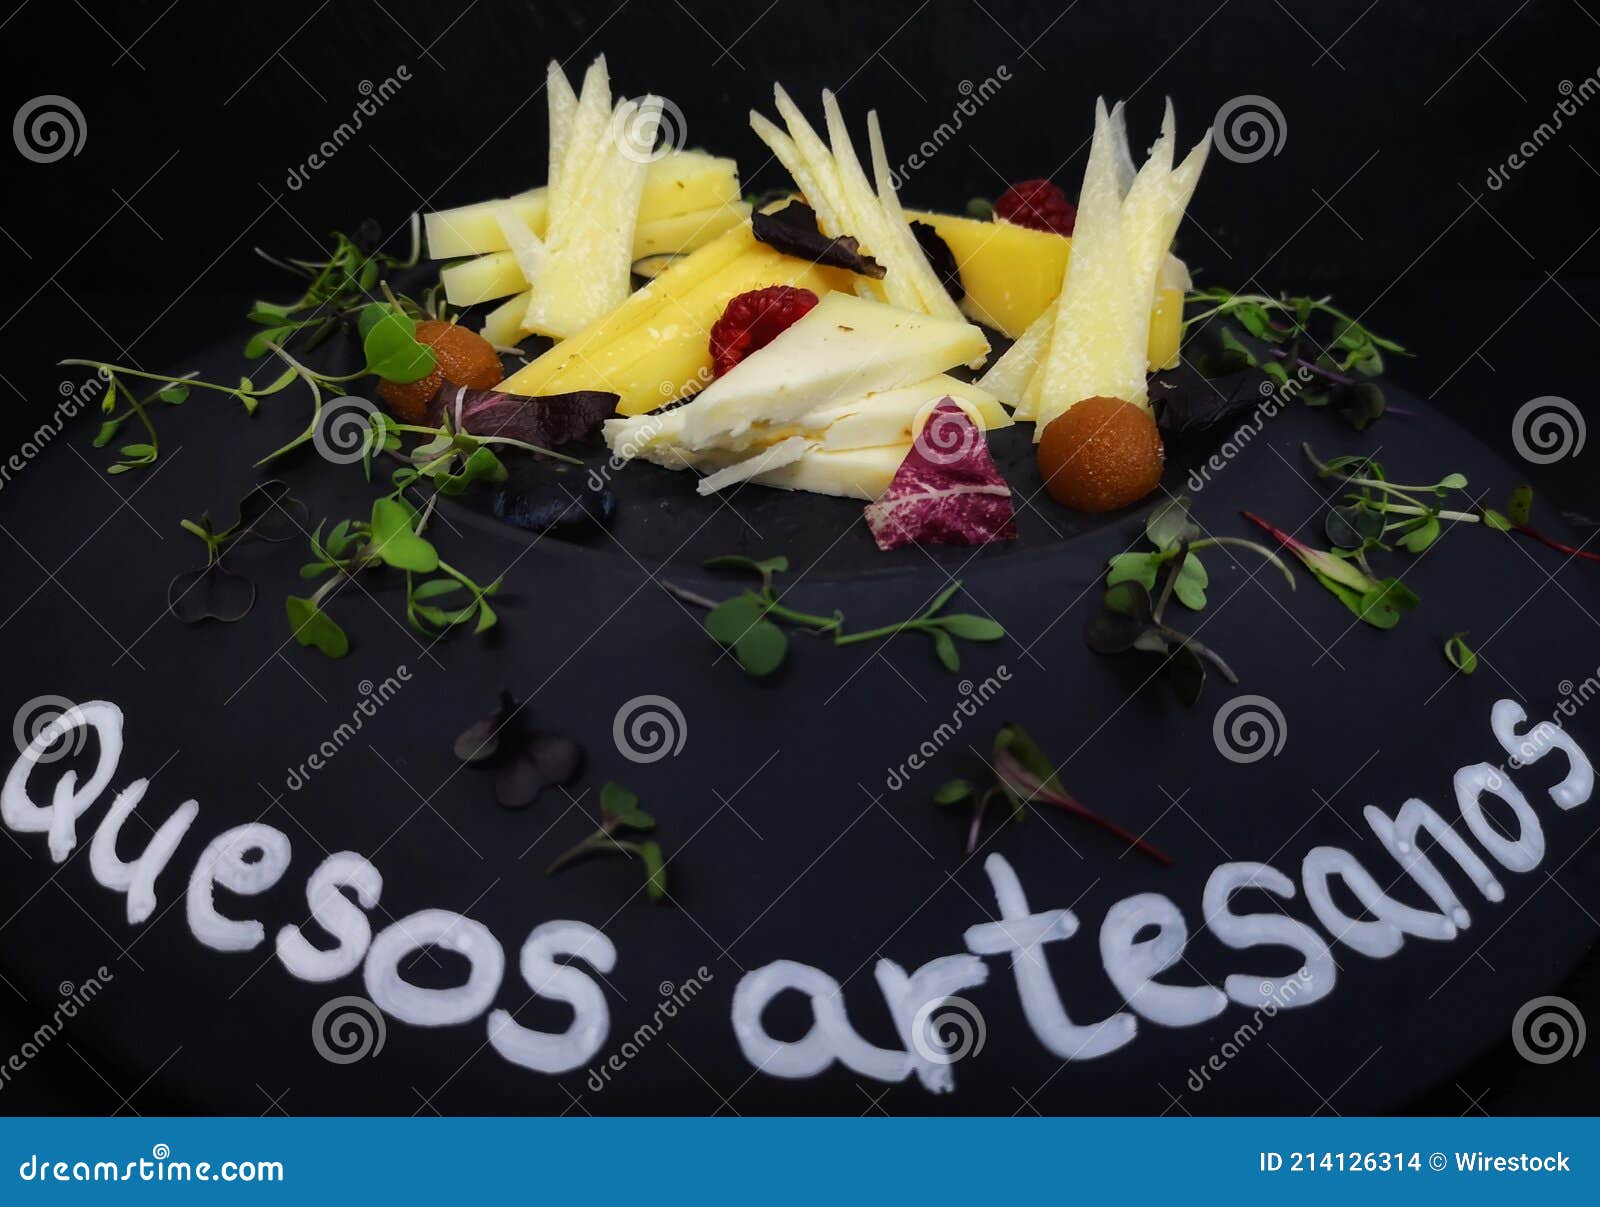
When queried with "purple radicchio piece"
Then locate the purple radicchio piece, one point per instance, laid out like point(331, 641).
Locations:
point(947, 491)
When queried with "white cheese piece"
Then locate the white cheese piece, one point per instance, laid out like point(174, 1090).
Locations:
point(1008, 378)
point(844, 348)
point(855, 473)
point(785, 452)
point(910, 259)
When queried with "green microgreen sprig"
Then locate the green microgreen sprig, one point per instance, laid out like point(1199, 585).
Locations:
point(620, 814)
point(1141, 584)
point(392, 537)
point(746, 623)
point(1343, 358)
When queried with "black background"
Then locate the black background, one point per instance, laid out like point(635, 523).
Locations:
point(139, 246)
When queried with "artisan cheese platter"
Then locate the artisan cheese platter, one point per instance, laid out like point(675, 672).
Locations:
point(1001, 558)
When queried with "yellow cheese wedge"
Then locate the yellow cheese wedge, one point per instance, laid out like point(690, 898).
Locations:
point(502, 326)
point(845, 348)
point(1013, 274)
point(664, 353)
point(1097, 344)
point(681, 182)
point(676, 281)
point(483, 280)
point(686, 232)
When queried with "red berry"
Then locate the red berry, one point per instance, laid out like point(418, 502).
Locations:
point(1037, 204)
point(753, 320)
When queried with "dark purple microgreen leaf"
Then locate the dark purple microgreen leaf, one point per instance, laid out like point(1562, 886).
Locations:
point(940, 258)
point(210, 593)
point(269, 512)
point(793, 231)
point(1191, 412)
point(1187, 673)
point(547, 421)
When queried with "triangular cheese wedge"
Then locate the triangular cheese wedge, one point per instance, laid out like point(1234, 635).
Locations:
point(844, 348)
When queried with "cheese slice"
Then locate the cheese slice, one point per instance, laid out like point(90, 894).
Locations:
point(1092, 347)
point(684, 233)
point(888, 417)
point(844, 348)
point(502, 326)
point(680, 182)
point(856, 473)
point(773, 457)
point(666, 354)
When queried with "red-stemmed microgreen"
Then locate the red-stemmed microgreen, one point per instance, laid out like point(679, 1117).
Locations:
point(1023, 777)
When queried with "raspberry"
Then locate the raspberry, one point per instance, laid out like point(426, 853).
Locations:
point(1037, 204)
point(753, 320)
point(461, 357)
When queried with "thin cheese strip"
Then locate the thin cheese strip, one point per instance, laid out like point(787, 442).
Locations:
point(937, 299)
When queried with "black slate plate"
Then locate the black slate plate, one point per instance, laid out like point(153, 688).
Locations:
point(786, 842)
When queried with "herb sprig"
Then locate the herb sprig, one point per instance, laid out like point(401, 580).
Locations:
point(746, 624)
point(1141, 585)
point(392, 537)
point(1024, 776)
point(1343, 359)
point(620, 815)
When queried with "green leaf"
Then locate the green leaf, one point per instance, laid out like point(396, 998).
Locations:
point(761, 648)
point(315, 569)
point(952, 792)
point(1497, 520)
point(1140, 568)
point(946, 649)
point(733, 618)
point(487, 617)
point(1453, 482)
point(312, 626)
point(620, 803)
point(1014, 739)
point(655, 870)
point(1417, 539)
point(339, 539)
point(971, 628)
point(395, 542)
point(433, 588)
point(1520, 509)
point(1383, 605)
point(1169, 525)
point(1190, 587)
point(174, 395)
point(481, 466)
point(392, 350)
point(107, 432)
point(1460, 654)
